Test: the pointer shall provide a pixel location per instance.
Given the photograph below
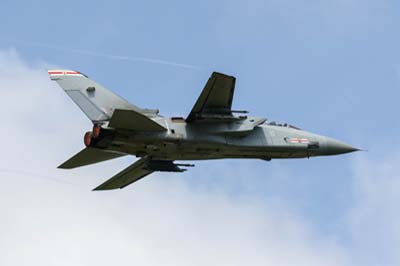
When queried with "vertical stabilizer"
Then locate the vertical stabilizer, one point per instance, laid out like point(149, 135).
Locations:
point(94, 100)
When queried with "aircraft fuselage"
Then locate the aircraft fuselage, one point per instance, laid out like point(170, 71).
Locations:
point(200, 141)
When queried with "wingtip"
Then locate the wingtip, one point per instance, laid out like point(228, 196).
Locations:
point(99, 188)
point(65, 166)
point(217, 73)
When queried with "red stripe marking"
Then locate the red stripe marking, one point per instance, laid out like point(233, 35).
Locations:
point(55, 72)
point(72, 72)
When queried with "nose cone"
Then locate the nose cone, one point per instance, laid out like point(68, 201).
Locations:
point(333, 147)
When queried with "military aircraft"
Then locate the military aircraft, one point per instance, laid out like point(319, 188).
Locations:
point(212, 130)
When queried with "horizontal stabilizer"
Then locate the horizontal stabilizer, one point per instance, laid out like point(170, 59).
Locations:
point(89, 156)
point(132, 120)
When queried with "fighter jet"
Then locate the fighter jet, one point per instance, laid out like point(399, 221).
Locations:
point(212, 130)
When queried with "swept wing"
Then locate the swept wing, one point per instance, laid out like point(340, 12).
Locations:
point(138, 170)
point(215, 100)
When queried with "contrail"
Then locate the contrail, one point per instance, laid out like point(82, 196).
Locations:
point(29, 174)
point(112, 57)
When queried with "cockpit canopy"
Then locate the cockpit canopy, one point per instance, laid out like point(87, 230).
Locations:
point(277, 124)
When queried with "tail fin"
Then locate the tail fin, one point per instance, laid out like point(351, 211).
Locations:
point(94, 100)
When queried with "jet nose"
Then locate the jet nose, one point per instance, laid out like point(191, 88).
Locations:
point(333, 147)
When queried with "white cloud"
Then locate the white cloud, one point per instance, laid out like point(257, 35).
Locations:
point(159, 221)
point(375, 217)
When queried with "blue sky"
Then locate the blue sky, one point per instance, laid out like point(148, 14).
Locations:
point(330, 67)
